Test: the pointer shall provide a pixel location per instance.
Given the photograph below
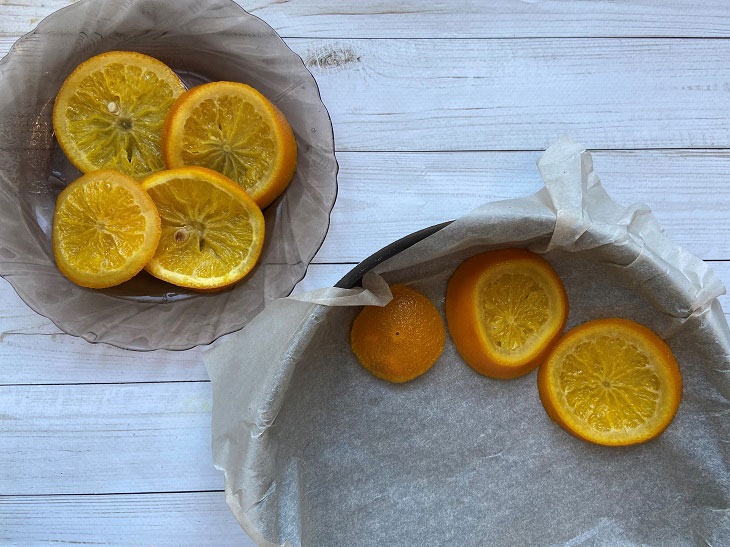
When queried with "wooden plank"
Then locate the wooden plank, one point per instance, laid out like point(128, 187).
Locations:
point(469, 94)
point(36, 352)
point(18, 318)
point(195, 518)
point(455, 19)
point(96, 439)
point(443, 95)
point(19, 17)
point(322, 275)
point(686, 189)
point(405, 192)
point(522, 94)
point(504, 19)
point(62, 359)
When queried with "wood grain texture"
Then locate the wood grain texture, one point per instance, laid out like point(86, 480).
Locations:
point(687, 190)
point(445, 95)
point(194, 518)
point(64, 359)
point(452, 19)
point(17, 318)
point(113, 461)
point(489, 19)
point(36, 359)
point(34, 351)
point(522, 94)
point(95, 439)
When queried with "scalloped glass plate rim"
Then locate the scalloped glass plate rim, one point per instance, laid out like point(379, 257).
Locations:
point(43, 28)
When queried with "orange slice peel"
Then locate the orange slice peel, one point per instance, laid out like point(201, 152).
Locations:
point(611, 382)
point(105, 229)
point(504, 310)
point(212, 231)
point(400, 341)
point(233, 129)
point(110, 111)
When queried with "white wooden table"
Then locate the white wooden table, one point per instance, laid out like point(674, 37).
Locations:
point(437, 107)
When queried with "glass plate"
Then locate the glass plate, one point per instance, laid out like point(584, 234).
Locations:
point(202, 40)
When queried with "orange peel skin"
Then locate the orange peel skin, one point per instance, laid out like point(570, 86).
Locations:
point(400, 341)
point(611, 382)
point(505, 310)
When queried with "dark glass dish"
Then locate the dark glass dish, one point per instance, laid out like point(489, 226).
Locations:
point(202, 40)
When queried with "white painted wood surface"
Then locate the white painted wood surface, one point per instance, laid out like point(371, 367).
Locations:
point(453, 18)
point(187, 518)
point(522, 94)
point(447, 102)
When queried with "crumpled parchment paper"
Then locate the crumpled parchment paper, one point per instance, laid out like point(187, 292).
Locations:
point(316, 451)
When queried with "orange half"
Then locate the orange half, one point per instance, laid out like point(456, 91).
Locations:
point(504, 310)
point(400, 341)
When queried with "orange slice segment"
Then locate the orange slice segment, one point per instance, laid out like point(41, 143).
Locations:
point(504, 310)
point(212, 231)
point(400, 341)
point(105, 229)
point(110, 111)
point(611, 382)
point(233, 129)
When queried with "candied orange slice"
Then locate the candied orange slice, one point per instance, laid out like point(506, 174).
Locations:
point(105, 229)
point(504, 310)
point(212, 231)
point(400, 341)
point(110, 111)
point(231, 128)
point(611, 382)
